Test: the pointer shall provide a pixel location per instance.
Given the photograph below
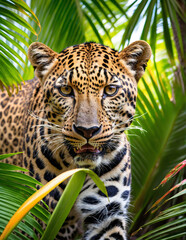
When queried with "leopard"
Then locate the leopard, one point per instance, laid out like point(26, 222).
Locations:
point(75, 114)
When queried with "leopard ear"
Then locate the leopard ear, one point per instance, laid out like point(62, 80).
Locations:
point(42, 58)
point(135, 57)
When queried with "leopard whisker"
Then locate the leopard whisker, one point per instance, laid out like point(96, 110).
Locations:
point(129, 128)
point(47, 137)
point(41, 119)
point(132, 135)
point(55, 149)
point(59, 143)
point(49, 126)
point(131, 118)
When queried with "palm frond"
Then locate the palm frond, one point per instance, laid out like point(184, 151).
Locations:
point(166, 30)
point(15, 188)
point(162, 146)
point(14, 38)
point(169, 223)
point(156, 17)
point(62, 209)
point(68, 22)
point(62, 21)
point(132, 23)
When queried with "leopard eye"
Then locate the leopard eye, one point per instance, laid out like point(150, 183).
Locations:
point(110, 90)
point(66, 91)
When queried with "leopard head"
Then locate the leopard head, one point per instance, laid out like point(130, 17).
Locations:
point(89, 91)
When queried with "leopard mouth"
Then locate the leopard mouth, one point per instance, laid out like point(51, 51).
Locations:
point(87, 148)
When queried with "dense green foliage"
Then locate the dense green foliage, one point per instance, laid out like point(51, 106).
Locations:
point(14, 40)
point(15, 188)
point(158, 134)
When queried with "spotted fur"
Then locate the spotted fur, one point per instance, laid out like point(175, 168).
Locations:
point(74, 114)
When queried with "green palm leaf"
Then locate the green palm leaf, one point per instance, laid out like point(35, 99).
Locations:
point(166, 31)
point(14, 39)
point(165, 19)
point(170, 222)
point(132, 23)
point(15, 188)
point(59, 20)
point(67, 22)
point(162, 145)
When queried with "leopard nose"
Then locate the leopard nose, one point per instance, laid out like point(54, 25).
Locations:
point(87, 132)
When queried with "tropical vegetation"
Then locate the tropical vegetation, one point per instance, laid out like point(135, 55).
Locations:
point(158, 133)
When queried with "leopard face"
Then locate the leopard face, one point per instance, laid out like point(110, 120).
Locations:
point(89, 94)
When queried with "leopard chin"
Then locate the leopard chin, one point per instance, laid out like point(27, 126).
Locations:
point(87, 160)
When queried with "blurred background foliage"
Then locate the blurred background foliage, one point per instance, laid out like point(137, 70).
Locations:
point(158, 133)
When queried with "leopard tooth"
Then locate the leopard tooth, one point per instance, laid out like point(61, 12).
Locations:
point(99, 148)
point(76, 149)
